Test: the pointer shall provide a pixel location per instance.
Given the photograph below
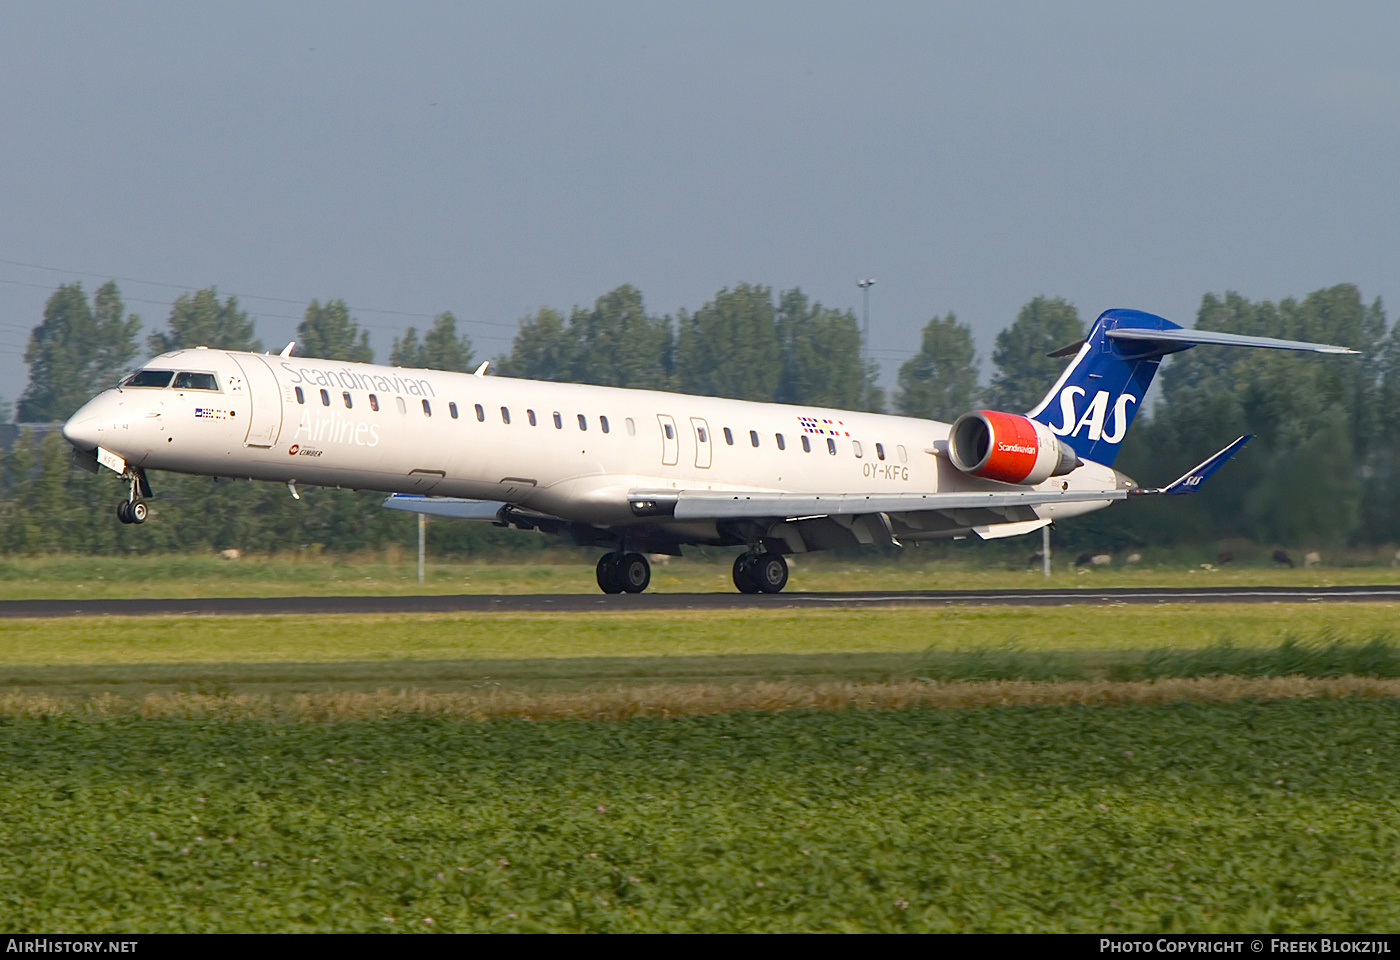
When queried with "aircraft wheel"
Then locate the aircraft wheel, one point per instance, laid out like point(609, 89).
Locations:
point(744, 577)
point(610, 573)
point(770, 572)
point(635, 571)
point(124, 512)
point(138, 511)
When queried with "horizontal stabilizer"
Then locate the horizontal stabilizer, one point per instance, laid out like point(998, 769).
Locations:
point(1191, 481)
point(1192, 337)
point(454, 507)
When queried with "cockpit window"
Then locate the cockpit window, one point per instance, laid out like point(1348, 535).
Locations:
point(149, 378)
point(195, 381)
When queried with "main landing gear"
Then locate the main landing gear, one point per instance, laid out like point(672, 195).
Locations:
point(623, 572)
point(760, 572)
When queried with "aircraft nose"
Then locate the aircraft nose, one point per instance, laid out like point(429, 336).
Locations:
point(83, 429)
point(81, 432)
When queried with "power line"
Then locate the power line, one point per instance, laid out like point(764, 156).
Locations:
point(234, 293)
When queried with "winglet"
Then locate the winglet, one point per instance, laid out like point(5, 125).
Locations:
point(1191, 481)
point(287, 350)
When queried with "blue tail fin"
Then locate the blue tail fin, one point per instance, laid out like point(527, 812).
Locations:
point(1095, 400)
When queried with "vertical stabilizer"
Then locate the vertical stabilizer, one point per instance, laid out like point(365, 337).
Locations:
point(1095, 400)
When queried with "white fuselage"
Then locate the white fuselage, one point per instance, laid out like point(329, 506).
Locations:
point(571, 451)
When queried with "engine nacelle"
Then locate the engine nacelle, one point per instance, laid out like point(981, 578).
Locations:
point(1008, 447)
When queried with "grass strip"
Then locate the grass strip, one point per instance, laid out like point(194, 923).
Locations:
point(1323, 656)
point(676, 700)
point(72, 577)
point(517, 636)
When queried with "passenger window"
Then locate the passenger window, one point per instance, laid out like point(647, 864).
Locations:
point(349, 404)
point(452, 409)
point(374, 403)
point(631, 428)
point(195, 381)
point(903, 457)
point(806, 444)
point(603, 424)
point(427, 410)
point(505, 415)
point(530, 415)
point(831, 446)
point(670, 434)
point(728, 436)
point(402, 408)
point(301, 397)
point(480, 414)
point(325, 399)
point(700, 432)
point(582, 422)
point(857, 449)
point(880, 450)
point(558, 421)
point(782, 444)
point(753, 437)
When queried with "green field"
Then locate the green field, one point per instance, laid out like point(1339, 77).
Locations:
point(1245, 817)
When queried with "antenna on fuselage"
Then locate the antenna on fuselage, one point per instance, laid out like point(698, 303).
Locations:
point(287, 350)
point(481, 370)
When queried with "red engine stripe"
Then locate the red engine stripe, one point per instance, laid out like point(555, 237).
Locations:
point(1014, 448)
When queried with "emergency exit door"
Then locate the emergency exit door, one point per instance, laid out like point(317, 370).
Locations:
point(703, 450)
point(670, 441)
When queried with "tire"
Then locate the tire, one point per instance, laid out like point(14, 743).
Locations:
point(124, 512)
point(138, 511)
point(770, 572)
point(610, 573)
point(744, 577)
point(635, 572)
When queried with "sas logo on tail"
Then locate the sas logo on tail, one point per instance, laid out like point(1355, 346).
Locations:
point(1093, 417)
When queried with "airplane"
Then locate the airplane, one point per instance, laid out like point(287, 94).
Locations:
point(642, 471)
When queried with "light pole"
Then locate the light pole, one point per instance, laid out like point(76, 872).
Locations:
point(865, 286)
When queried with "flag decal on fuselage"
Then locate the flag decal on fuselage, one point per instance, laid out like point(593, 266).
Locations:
point(834, 428)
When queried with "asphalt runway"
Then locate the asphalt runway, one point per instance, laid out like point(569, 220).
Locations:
point(659, 602)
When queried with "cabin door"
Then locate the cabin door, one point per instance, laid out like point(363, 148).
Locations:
point(265, 423)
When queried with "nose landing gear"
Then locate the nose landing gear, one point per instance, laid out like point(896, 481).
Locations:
point(133, 509)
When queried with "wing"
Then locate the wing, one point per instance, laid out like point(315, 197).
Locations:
point(731, 505)
point(827, 521)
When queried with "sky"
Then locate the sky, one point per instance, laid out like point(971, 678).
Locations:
point(491, 159)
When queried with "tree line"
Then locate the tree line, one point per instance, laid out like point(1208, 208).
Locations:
point(1324, 467)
